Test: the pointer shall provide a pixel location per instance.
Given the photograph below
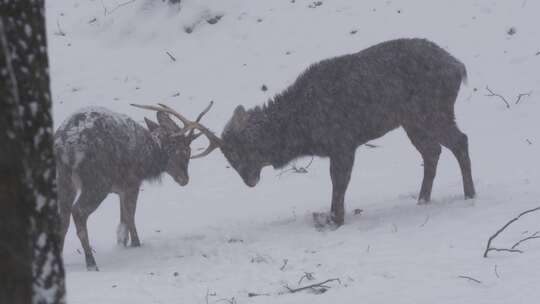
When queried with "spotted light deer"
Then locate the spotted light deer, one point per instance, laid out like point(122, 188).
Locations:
point(341, 103)
point(100, 152)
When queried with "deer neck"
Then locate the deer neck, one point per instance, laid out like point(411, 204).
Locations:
point(281, 136)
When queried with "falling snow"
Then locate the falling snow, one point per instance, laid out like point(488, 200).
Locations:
point(216, 239)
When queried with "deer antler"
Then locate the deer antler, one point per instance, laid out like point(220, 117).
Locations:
point(192, 136)
point(215, 142)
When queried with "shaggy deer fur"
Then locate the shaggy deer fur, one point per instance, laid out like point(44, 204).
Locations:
point(100, 152)
point(341, 103)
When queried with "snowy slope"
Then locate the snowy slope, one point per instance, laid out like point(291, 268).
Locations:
point(216, 239)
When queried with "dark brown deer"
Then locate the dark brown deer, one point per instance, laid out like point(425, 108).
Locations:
point(100, 152)
point(341, 103)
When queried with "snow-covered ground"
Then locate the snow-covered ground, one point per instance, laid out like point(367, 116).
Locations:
point(216, 240)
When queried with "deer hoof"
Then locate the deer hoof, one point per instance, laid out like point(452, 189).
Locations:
point(122, 235)
point(323, 221)
point(423, 201)
point(92, 268)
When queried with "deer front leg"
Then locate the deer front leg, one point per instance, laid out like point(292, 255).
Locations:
point(122, 232)
point(128, 202)
point(340, 172)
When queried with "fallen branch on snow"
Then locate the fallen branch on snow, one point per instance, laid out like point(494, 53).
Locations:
point(470, 279)
point(518, 98)
point(173, 59)
point(59, 31)
point(512, 249)
point(106, 11)
point(521, 95)
point(308, 276)
point(285, 262)
point(318, 287)
point(492, 94)
point(531, 237)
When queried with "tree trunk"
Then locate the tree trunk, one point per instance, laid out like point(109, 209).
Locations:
point(30, 259)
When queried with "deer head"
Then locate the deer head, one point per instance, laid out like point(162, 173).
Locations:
point(174, 140)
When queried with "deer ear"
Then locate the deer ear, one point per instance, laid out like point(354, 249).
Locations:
point(167, 123)
point(239, 117)
point(150, 124)
point(239, 111)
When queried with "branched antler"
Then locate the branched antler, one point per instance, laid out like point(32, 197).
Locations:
point(215, 142)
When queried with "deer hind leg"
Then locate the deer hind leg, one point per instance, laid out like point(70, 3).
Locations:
point(457, 142)
point(430, 150)
point(66, 195)
point(340, 172)
point(122, 232)
point(128, 205)
point(90, 198)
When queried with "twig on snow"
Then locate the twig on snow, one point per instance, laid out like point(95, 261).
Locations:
point(170, 56)
point(505, 250)
point(492, 94)
point(491, 238)
point(531, 237)
point(521, 95)
point(105, 10)
point(470, 279)
point(59, 32)
point(254, 294)
point(285, 261)
point(308, 276)
point(496, 271)
point(425, 221)
point(230, 301)
point(110, 12)
point(313, 286)
point(517, 101)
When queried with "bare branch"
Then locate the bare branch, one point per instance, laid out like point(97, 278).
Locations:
point(470, 279)
point(120, 5)
point(521, 95)
point(230, 301)
point(425, 221)
point(308, 276)
point(491, 238)
point(518, 98)
point(285, 261)
point(531, 237)
point(59, 31)
point(105, 10)
point(170, 56)
point(254, 294)
point(312, 286)
point(505, 250)
point(492, 94)
point(496, 271)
